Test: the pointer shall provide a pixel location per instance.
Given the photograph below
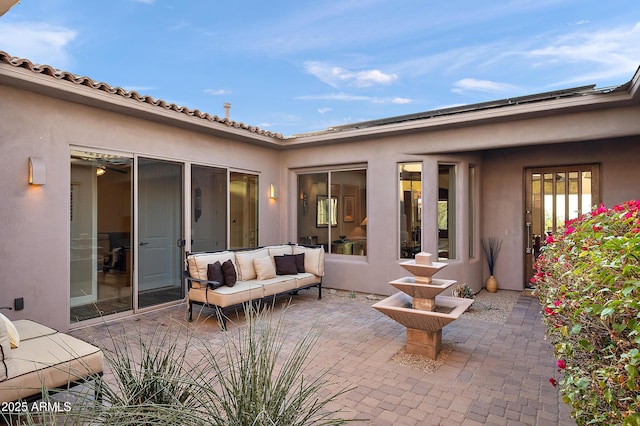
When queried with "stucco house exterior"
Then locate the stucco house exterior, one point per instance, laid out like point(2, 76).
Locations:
point(105, 190)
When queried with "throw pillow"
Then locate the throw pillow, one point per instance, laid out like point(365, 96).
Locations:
point(14, 338)
point(244, 260)
point(299, 261)
point(313, 259)
point(285, 265)
point(214, 273)
point(229, 272)
point(264, 268)
point(5, 352)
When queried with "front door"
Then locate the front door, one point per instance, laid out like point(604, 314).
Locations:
point(160, 231)
point(554, 195)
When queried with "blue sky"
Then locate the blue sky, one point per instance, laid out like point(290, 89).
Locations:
point(294, 66)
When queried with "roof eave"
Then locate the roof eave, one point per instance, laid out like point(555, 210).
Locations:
point(595, 100)
point(61, 89)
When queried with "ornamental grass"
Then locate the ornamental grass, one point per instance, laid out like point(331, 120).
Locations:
point(172, 376)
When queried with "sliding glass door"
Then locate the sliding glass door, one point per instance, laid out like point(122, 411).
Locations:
point(160, 231)
point(100, 212)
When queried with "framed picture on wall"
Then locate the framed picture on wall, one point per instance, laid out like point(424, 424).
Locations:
point(349, 208)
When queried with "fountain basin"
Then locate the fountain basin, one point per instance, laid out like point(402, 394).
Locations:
point(398, 308)
point(421, 271)
point(414, 288)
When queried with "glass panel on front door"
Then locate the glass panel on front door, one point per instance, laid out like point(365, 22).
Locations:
point(160, 235)
point(554, 196)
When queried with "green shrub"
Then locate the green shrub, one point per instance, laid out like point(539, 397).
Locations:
point(588, 282)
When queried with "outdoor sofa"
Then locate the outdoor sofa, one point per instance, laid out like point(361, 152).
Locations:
point(228, 279)
point(36, 359)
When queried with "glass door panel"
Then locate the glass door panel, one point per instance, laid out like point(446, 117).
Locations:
point(100, 235)
point(209, 208)
point(243, 210)
point(160, 234)
point(553, 196)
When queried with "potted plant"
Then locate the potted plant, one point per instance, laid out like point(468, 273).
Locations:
point(491, 247)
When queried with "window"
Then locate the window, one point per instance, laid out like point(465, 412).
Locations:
point(446, 211)
point(208, 208)
point(243, 210)
point(332, 210)
point(472, 210)
point(410, 178)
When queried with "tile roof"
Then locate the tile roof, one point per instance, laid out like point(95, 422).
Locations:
point(119, 91)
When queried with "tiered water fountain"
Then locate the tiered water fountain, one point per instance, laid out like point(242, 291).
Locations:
point(419, 307)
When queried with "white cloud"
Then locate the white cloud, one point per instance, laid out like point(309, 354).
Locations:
point(39, 42)
point(145, 1)
point(475, 85)
point(217, 92)
point(610, 53)
point(324, 110)
point(345, 97)
point(337, 76)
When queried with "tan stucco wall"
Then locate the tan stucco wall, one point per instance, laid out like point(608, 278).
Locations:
point(503, 190)
point(34, 225)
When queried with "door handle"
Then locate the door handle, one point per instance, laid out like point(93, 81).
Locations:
point(528, 249)
point(143, 244)
point(181, 243)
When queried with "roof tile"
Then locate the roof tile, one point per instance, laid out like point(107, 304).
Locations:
point(119, 91)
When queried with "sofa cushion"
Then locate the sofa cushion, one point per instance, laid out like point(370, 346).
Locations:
point(228, 296)
point(280, 250)
point(32, 330)
point(5, 352)
point(244, 260)
point(299, 258)
point(306, 279)
point(229, 272)
point(49, 361)
point(264, 268)
point(285, 265)
point(14, 336)
point(198, 264)
point(214, 273)
point(313, 259)
point(279, 284)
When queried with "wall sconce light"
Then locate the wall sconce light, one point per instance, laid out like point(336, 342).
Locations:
point(37, 171)
point(272, 192)
point(100, 170)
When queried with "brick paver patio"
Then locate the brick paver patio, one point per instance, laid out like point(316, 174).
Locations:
point(497, 374)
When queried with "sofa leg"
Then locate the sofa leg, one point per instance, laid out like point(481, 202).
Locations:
point(319, 291)
point(190, 311)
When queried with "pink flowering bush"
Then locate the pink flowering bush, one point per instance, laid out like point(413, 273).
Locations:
point(588, 282)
